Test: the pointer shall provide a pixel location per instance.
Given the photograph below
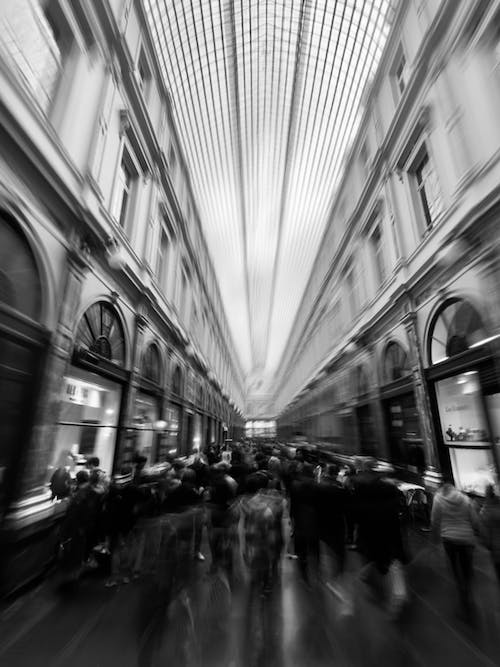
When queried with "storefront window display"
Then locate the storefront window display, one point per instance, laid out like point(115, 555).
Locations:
point(88, 421)
point(169, 441)
point(196, 445)
point(146, 413)
point(403, 429)
point(465, 431)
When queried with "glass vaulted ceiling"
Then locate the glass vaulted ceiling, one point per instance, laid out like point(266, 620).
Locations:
point(266, 97)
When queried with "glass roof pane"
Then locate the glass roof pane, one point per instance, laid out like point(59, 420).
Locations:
point(266, 97)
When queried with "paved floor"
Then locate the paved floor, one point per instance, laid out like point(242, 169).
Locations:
point(206, 625)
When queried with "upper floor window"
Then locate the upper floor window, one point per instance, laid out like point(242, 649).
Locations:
point(352, 291)
point(399, 73)
point(183, 296)
point(162, 262)
point(143, 74)
point(125, 191)
point(172, 159)
point(151, 364)
point(396, 362)
point(427, 188)
point(35, 40)
point(377, 251)
point(364, 157)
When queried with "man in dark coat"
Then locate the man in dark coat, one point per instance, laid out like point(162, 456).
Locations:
point(304, 515)
point(376, 506)
point(331, 507)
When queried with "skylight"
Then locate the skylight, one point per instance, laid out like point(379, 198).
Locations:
point(266, 97)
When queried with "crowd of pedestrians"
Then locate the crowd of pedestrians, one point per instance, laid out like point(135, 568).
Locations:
point(252, 506)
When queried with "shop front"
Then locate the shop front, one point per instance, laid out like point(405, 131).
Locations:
point(23, 349)
point(169, 441)
point(88, 420)
point(367, 431)
point(406, 445)
point(145, 416)
point(466, 396)
point(92, 391)
point(147, 406)
point(402, 419)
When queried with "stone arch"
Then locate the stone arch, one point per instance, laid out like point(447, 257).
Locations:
point(177, 379)
point(395, 361)
point(152, 363)
point(101, 331)
point(455, 325)
point(22, 284)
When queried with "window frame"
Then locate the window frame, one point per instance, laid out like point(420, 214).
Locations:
point(377, 252)
point(163, 259)
point(399, 75)
point(128, 158)
point(143, 82)
point(423, 203)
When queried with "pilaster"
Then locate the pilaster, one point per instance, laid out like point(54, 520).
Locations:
point(432, 475)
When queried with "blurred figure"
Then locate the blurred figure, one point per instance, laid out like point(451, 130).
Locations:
point(332, 500)
point(376, 504)
point(239, 470)
point(120, 517)
point(490, 525)
point(454, 521)
point(222, 493)
point(61, 482)
point(304, 516)
point(202, 480)
point(75, 528)
point(275, 473)
point(262, 533)
point(98, 477)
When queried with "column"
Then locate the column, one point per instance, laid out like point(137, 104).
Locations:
point(432, 476)
point(39, 451)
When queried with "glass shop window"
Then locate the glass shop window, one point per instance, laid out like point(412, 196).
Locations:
point(465, 431)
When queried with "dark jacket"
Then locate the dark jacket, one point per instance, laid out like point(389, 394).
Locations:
point(376, 510)
point(331, 507)
point(303, 508)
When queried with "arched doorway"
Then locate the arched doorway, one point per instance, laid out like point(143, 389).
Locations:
point(466, 394)
point(23, 345)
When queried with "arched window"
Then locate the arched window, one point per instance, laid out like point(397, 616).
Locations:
point(20, 286)
point(396, 364)
point(456, 328)
point(151, 364)
point(100, 332)
point(176, 380)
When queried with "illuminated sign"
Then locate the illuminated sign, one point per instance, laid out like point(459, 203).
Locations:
point(81, 393)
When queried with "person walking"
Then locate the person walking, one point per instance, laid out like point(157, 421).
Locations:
point(490, 527)
point(455, 522)
point(304, 516)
